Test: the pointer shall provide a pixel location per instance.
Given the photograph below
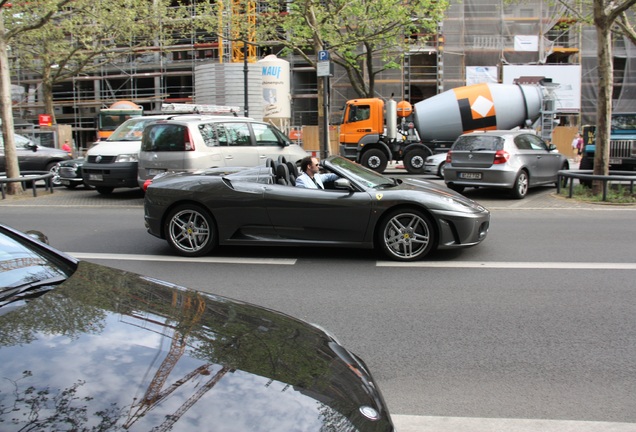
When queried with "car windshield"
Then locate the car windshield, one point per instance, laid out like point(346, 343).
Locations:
point(24, 267)
point(132, 130)
point(479, 143)
point(624, 122)
point(360, 174)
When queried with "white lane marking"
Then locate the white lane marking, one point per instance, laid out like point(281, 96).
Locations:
point(411, 423)
point(206, 260)
point(416, 264)
point(506, 265)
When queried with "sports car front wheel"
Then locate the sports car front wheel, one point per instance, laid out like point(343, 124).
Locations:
point(406, 235)
point(190, 231)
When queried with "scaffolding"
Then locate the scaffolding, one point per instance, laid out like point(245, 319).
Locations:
point(474, 33)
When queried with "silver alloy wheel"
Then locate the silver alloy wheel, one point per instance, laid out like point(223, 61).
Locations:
point(55, 170)
point(189, 231)
point(521, 185)
point(407, 236)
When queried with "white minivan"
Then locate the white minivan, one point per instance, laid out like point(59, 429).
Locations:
point(112, 163)
point(191, 143)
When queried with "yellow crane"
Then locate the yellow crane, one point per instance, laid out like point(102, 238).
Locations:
point(193, 309)
point(237, 28)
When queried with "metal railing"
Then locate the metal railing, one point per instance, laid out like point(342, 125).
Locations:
point(27, 178)
point(588, 176)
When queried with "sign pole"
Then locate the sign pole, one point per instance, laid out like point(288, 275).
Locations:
point(324, 71)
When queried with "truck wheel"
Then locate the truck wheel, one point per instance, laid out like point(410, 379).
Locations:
point(587, 163)
point(414, 161)
point(374, 159)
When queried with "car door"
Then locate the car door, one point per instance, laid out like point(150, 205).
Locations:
point(237, 146)
point(547, 163)
point(322, 216)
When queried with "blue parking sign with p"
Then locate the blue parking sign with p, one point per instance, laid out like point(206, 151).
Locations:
point(323, 55)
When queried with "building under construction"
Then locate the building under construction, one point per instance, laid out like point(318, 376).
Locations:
point(479, 40)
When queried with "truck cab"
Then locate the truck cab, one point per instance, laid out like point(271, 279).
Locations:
point(361, 117)
point(622, 143)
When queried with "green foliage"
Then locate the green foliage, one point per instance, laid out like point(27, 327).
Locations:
point(83, 35)
point(354, 31)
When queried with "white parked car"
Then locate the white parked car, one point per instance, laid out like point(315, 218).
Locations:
point(434, 165)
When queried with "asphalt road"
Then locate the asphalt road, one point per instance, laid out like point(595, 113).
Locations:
point(532, 330)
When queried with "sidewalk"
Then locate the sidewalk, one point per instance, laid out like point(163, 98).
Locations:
point(492, 199)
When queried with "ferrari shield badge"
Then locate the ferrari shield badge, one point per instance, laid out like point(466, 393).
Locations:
point(378, 196)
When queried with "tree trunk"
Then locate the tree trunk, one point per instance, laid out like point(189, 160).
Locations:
point(47, 94)
point(604, 99)
point(6, 113)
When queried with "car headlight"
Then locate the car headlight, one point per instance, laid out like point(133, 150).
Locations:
point(127, 158)
point(462, 205)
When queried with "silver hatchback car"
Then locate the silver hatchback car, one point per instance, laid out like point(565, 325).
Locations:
point(515, 160)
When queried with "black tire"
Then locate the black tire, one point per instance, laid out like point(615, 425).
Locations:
point(374, 159)
point(564, 180)
point(520, 188)
point(54, 169)
point(414, 161)
point(190, 230)
point(406, 235)
point(456, 188)
point(440, 170)
point(587, 163)
point(104, 190)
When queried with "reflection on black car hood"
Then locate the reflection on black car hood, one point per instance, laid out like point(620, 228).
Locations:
point(111, 350)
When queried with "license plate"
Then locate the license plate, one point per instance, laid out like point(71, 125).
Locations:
point(65, 182)
point(95, 177)
point(154, 172)
point(470, 176)
point(615, 161)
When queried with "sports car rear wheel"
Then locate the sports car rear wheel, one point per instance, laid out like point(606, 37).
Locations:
point(406, 235)
point(190, 230)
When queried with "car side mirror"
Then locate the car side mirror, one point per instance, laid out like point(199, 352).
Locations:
point(342, 183)
point(551, 147)
point(32, 146)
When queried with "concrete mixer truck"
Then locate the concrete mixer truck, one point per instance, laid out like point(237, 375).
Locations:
point(371, 134)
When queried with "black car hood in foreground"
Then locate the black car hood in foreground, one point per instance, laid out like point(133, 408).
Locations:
point(111, 350)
